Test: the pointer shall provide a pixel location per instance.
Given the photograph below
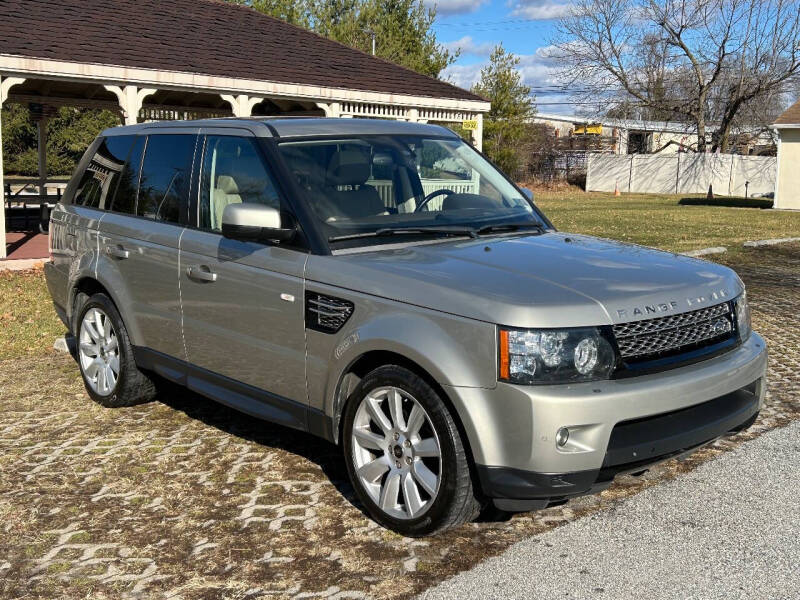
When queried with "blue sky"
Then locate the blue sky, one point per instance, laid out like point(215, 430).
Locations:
point(525, 27)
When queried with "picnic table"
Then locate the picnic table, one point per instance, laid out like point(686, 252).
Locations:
point(24, 194)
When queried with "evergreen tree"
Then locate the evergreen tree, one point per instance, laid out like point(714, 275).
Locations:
point(403, 29)
point(297, 13)
point(506, 125)
point(69, 133)
point(404, 35)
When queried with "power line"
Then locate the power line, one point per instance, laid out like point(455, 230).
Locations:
point(580, 102)
point(480, 27)
point(500, 22)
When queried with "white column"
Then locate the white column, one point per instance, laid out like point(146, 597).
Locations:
point(242, 105)
point(326, 108)
point(234, 102)
point(141, 94)
point(477, 134)
point(2, 188)
point(412, 114)
point(130, 100)
point(5, 85)
point(331, 109)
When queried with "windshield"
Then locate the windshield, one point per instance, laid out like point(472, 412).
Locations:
point(375, 186)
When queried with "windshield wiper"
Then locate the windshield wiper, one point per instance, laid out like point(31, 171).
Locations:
point(459, 230)
point(509, 227)
point(436, 229)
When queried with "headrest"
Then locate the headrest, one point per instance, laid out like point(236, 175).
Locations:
point(227, 184)
point(349, 167)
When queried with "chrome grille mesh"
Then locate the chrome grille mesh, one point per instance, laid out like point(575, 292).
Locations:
point(641, 339)
point(326, 313)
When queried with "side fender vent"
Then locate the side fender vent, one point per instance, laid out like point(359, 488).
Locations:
point(326, 313)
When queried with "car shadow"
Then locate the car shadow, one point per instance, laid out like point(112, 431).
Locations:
point(324, 454)
point(327, 456)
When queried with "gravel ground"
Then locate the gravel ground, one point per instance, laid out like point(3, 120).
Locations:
point(728, 530)
point(185, 498)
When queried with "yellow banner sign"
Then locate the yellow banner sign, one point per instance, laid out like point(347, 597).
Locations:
point(470, 124)
point(589, 129)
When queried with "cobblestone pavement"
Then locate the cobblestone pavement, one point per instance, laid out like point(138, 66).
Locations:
point(184, 498)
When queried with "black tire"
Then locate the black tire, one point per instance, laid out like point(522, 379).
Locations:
point(132, 386)
point(455, 502)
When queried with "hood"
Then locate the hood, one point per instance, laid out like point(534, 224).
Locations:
point(547, 280)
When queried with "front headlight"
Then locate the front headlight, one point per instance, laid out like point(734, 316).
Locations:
point(531, 356)
point(743, 325)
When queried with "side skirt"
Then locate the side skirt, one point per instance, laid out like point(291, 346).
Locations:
point(240, 396)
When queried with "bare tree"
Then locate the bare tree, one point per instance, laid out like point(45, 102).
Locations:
point(684, 58)
point(767, 57)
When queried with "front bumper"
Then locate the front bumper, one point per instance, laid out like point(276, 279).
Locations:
point(615, 426)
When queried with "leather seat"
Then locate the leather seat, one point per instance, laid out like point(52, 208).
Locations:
point(225, 192)
point(352, 168)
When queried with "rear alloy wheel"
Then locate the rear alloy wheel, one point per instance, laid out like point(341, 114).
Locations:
point(405, 456)
point(98, 349)
point(105, 355)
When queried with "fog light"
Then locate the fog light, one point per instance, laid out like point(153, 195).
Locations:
point(562, 437)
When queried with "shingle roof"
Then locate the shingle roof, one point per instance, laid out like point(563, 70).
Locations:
point(791, 116)
point(201, 36)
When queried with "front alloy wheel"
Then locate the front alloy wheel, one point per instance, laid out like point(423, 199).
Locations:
point(404, 454)
point(396, 452)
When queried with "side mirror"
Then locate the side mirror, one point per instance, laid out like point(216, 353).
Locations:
point(528, 194)
point(254, 223)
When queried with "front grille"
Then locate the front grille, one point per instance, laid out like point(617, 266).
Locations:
point(675, 333)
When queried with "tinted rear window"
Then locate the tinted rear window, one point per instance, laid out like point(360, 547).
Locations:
point(101, 177)
point(165, 177)
point(125, 198)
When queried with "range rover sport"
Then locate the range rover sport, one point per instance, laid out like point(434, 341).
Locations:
point(382, 285)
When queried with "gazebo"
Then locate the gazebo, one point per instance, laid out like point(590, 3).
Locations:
point(152, 60)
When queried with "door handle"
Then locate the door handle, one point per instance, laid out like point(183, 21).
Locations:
point(201, 273)
point(117, 252)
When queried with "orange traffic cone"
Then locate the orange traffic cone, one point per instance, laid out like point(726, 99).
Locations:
point(616, 189)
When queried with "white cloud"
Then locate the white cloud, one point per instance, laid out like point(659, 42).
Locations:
point(469, 46)
point(454, 7)
point(541, 9)
point(463, 76)
point(538, 70)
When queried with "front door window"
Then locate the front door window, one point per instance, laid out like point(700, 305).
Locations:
point(233, 173)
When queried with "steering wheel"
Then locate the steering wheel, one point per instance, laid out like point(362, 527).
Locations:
point(430, 197)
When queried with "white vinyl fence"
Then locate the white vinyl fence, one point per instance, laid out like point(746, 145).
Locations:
point(459, 186)
point(681, 173)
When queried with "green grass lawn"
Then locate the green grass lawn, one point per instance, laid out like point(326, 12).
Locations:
point(28, 324)
point(659, 221)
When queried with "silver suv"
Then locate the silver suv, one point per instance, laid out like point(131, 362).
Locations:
point(382, 285)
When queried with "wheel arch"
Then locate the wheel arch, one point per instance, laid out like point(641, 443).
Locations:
point(373, 359)
point(89, 285)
